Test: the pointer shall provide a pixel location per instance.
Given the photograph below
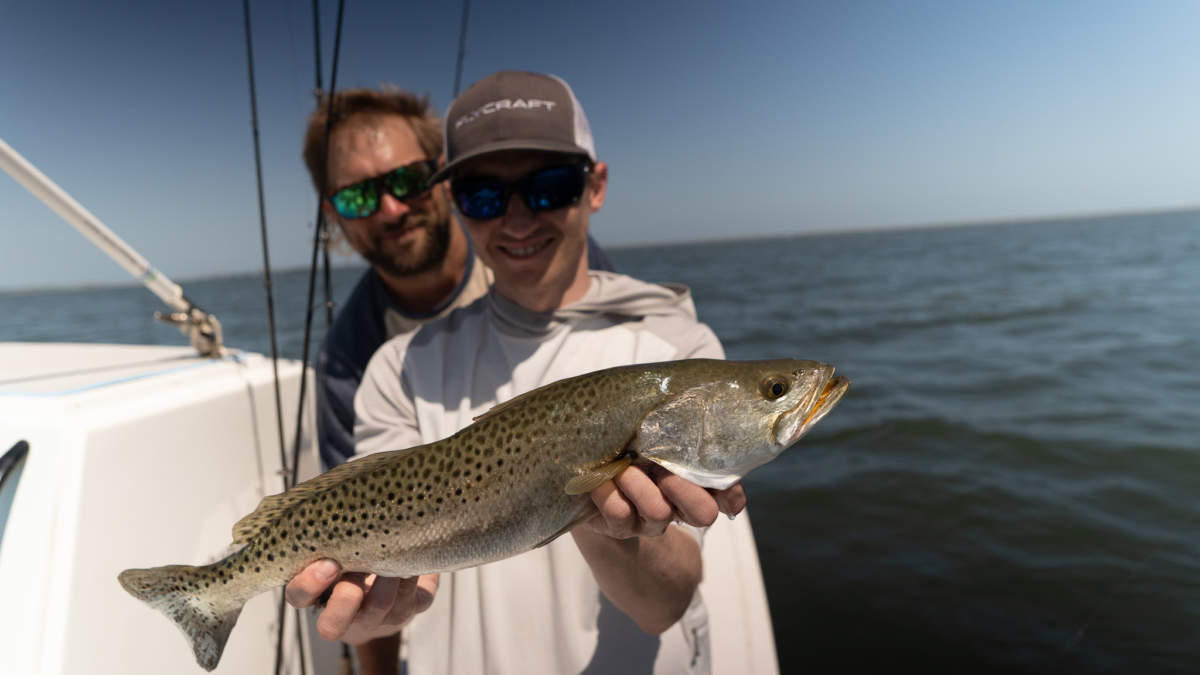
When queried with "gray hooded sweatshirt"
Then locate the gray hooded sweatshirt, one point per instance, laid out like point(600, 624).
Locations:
point(542, 611)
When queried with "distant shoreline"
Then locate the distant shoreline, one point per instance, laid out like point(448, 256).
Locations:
point(899, 227)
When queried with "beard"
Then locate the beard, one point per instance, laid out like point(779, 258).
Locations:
point(418, 254)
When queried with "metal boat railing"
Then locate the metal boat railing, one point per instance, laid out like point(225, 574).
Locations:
point(202, 328)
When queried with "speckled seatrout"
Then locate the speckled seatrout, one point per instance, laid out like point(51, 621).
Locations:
point(515, 479)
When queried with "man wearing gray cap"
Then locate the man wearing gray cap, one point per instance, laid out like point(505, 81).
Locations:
point(620, 594)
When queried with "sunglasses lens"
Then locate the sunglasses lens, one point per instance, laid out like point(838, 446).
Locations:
point(408, 181)
point(554, 188)
point(546, 190)
point(356, 201)
point(362, 199)
point(479, 199)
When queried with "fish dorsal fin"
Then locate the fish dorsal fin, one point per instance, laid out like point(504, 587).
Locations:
point(501, 407)
point(592, 478)
point(270, 508)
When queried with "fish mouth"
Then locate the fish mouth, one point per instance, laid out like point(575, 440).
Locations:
point(812, 407)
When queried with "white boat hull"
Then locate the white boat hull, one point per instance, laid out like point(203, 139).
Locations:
point(138, 456)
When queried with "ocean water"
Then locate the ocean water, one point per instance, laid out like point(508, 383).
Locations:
point(1012, 483)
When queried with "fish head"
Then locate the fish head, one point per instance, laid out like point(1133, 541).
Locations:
point(734, 416)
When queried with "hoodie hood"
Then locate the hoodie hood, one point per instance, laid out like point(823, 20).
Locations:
point(611, 296)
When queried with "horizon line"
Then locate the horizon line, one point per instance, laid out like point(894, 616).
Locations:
point(894, 227)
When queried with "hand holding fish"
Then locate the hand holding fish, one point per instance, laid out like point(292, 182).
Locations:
point(643, 500)
point(361, 607)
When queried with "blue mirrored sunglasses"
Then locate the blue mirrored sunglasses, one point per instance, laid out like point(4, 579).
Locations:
point(484, 198)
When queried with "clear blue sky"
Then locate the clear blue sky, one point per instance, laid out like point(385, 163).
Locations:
point(718, 119)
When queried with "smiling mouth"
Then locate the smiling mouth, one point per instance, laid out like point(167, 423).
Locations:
point(526, 251)
point(402, 228)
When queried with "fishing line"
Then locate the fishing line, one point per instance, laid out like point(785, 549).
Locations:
point(288, 477)
point(312, 277)
point(322, 226)
point(262, 226)
point(462, 46)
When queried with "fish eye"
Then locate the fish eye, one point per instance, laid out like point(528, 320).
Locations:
point(774, 386)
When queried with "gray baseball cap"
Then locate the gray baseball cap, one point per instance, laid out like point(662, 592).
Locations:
point(514, 110)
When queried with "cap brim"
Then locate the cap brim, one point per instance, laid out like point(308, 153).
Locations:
point(543, 145)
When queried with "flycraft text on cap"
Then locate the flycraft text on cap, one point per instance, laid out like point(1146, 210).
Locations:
point(515, 110)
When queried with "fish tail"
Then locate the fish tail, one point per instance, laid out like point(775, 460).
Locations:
point(182, 593)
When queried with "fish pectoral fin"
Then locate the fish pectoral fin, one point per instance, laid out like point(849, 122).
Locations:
point(593, 478)
point(587, 510)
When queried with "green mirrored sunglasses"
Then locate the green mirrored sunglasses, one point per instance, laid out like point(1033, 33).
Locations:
point(404, 182)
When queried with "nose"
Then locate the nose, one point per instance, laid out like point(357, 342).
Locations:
point(390, 207)
point(518, 219)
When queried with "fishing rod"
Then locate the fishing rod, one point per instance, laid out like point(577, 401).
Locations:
point(203, 329)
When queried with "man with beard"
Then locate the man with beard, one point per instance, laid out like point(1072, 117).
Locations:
point(383, 147)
